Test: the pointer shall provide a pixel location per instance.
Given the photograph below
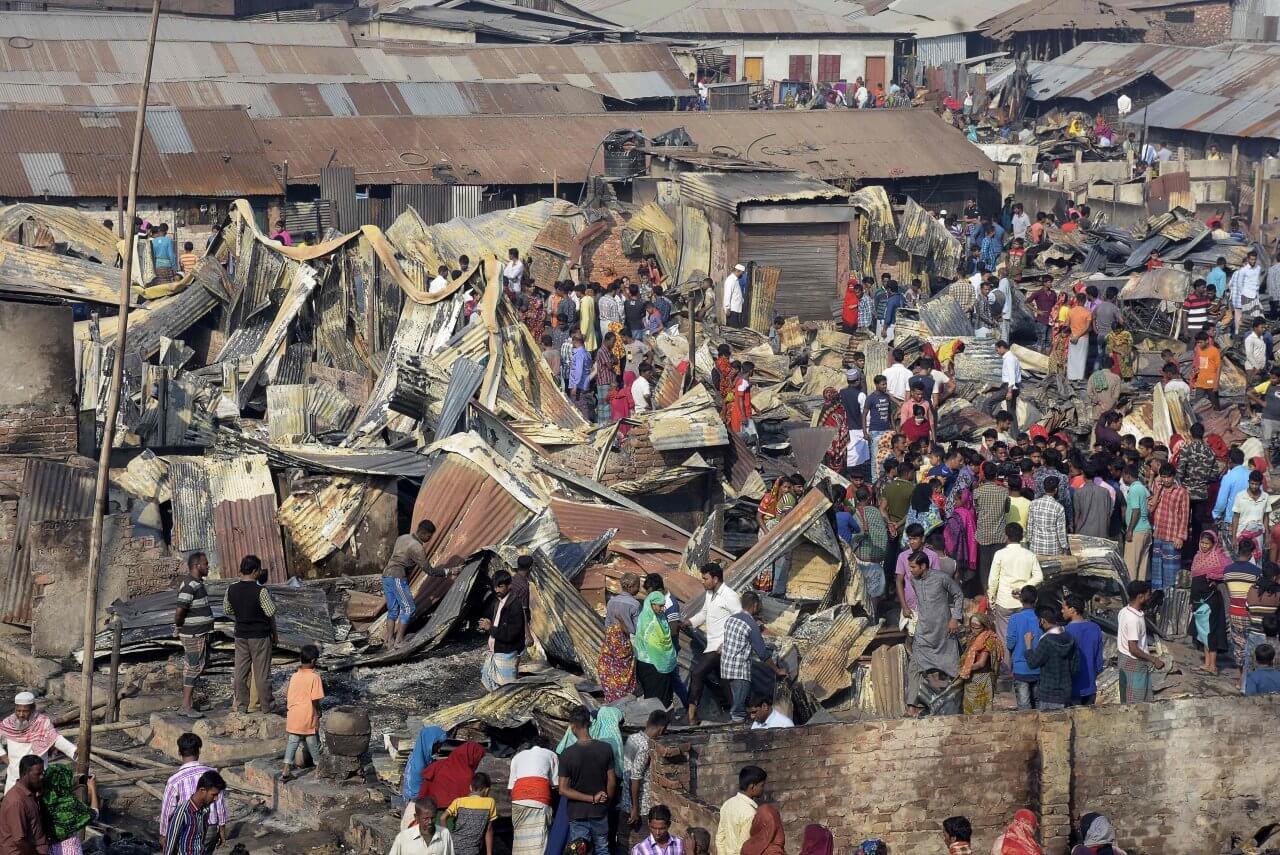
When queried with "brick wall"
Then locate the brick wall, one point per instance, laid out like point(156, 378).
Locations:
point(38, 429)
point(1176, 776)
point(603, 259)
point(1211, 25)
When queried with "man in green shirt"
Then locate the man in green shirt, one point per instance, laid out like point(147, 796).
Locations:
point(1137, 525)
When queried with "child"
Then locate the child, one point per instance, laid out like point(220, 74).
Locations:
point(471, 819)
point(1017, 258)
point(188, 259)
point(306, 690)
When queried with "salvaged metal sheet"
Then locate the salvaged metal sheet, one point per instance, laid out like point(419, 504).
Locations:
point(50, 491)
point(945, 317)
point(829, 646)
point(873, 204)
point(320, 521)
point(566, 627)
point(440, 624)
point(883, 691)
point(60, 228)
point(694, 257)
point(921, 235)
point(528, 699)
point(693, 421)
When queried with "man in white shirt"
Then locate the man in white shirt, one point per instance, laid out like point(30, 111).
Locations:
point(1020, 222)
point(1134, 662)
point(513, 271)
point(763, 715)
point(440, 282)
point(897, 376)
point(424, 837)
point(732, 298)
point(642, 388)
point(1124, 104)
point(535, 772)
point(1013, 568)
point(1171, 379)
point(1010, 379)
point(861, 95)
point(29, 732)
point(1244, 289)
point(719, 603)
point(1255, 351)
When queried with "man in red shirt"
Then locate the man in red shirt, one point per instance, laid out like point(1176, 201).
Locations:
point(1041, 302)
point(21, 831)
point(1170, 509)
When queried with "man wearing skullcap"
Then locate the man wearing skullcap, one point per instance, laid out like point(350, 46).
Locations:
point(29, 732)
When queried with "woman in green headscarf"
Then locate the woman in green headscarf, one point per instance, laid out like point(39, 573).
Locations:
point(655, 654)
point(64, 815)
point(607, 728)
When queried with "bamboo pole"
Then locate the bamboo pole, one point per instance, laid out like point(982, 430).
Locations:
point(85, 741)
point(112, 767)
point(113, 679)
point(125, 757)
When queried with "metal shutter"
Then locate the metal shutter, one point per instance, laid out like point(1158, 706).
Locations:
point(807, 257)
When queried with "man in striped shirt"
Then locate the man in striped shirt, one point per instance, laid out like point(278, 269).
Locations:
point(189, 821)
point(182, 785)
point(1196, 307)
point(194, 621)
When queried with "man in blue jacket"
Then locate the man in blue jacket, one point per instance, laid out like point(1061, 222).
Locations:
point(1022, 622)
point(1235, 481)
point(1088, 637)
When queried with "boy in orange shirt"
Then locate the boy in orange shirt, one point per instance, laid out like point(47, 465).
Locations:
point(1206, 366)
point(306, 690)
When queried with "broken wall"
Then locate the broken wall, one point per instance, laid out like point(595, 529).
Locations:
point(37, 399)
point(1173, 776)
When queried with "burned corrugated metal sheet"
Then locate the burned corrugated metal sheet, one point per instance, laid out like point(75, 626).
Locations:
point(321, 458)
point(300, 288)
point(919, 233)
point(464, 381)
point(248, 527)
point(171, 317)
point(287, 412)
point(192, 506)
point(809, 445)
point(584, 521)
point(727, 190)
point(563, 623)
point(533, 698)
point(27, 271)
point(943, 316)
point(50, 491)
point(883, 691)
point(693, 421)
point(442, 621)
point(146, 476)
point(302, 617)
point(830, 643)
point(329, 409)
point(873, 203)
point(321, 520)
point(67, 227)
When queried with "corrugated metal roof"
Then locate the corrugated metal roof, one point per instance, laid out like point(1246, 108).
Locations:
point(80, 232)
point(319, 521)
point(693, 421)
point(828, 144)
point(832, 644)
point(769, 17)
point(1036, 15)
point(274, 100)
point(249, 527)
point(584, 521)
point(84, 153)
point(24, 270)
point(50, 491)
point(728, 190)
point(627, 71)
point(62, 26)
point(567, 627)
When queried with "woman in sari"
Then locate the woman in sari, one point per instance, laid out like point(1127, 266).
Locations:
point(727, 378)
point(449, 778)
point(1020, 837)
point(616, 665)
point(776, 503)
point(961, 533)
point(980, 664)
point(1097, 837)
point(534, 313)
point(922, 511)
point(766, 836)
point(817, 840)
point(1208, 625)
point(64, 815)
point(419, 759)
point(621, 404)
point(655, 653)
point(834, 416)
point(587, 320)
point(1120, 346)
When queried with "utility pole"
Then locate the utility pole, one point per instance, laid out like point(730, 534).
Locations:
point(84, 742)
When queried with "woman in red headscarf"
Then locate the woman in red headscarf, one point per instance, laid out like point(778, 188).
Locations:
point(833, 415)
point(1020, 837)
point(849, 309)
point(449, 778)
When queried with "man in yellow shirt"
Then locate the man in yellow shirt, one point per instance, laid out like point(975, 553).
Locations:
point(1012, 568)
point(737, 813)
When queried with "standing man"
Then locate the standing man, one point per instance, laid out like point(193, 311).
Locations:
point(249, 604)
point(589, 782)
point(1010, 379)
point(719, 603)
point(27, 732)
point(21, 825)
point(733, 296)
point(1012, 570)
point(1134, 661)
point(877, 420)
point(580, 377)
point(737, 813)
point(1041, 303)
point(1047, 522)
point(1088, 638)
point(1093, 504)
point(513, 272)
point(1080, 322)
point(1244, 285)
point(659, 841)
point(606, 376)
point(408, 554)
point(182, 785)
point(1170, 517)
point(1267, 395)
point(742, 638)
point(1057, 657)
point(1206, 366)
point(504, 622)
point(425, 836)
point(189, 824)
point(991, 503)
point(1137, 524)
point(1255, 352)
point(193, 621)
point(939, 608)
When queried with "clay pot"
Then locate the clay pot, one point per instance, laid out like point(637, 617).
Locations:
point(346, 731)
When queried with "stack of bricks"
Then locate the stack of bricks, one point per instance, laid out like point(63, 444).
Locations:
point(1173, 776)
point(38, 429)
point(1209, 24)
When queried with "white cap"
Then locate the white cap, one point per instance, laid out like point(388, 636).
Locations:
point(740, 268)
point(24, 699)
point(942, 213)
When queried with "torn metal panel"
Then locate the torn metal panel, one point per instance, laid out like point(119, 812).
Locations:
point(323, 458)
point(744, 475)
point(571, 557)
point(320, 521)
point(828, 650)
point(568, 628)
point(1162, 283)
point(328, 408)
point(288, 417)
point(694, 260)
point(921, 235)
point(304, 282)
point(192, 508)
point(50, 491)
point(66, 228)
point(872, 203)
point(244, 513)
point(464, 381)
point(884, 688)
point(655, 222)
point(440, 624)
point(809, 445)
point(302, 617)
point(693, 421)
point(145, 476)
point(33, 272)
point(532, 698)
point(943, 316)
point(698, 550)
point(584, 521)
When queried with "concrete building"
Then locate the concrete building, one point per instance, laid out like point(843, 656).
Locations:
point(1255, 20)
point(1194, 23)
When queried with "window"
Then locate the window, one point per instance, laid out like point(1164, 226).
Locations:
point(828, 67)
point(1180, 16)
point(800, 67)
